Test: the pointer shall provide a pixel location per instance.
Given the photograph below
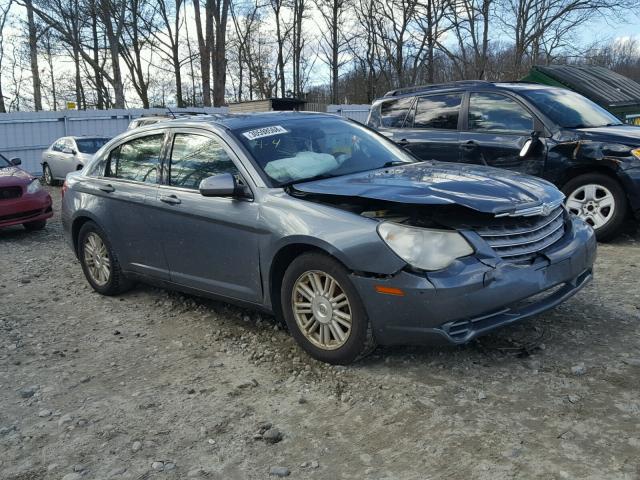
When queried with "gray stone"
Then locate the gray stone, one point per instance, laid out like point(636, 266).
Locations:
point(7, 430)
point(30, 391)
point(66, 418)
point(573, 398)
point(79, 468)
point(195, 473)
point(273, 435)
point(117, 471)
point(482, 396)
point(315, 464)
point(169, 466)
point(44, 413)
point(72, 476)
point(158, 466)
point(279, 471)
point(579, 369)
point(136, 446)
point(635, 362)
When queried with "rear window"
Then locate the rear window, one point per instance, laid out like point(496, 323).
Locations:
point(393, 112)
point(90, 145)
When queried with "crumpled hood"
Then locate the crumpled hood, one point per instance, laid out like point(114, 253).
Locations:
point(14, 176)
point(625, 134)
point(485, 189)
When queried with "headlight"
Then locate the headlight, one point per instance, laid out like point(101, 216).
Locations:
point(424, 248)
point(34, 186)
point(636, 153)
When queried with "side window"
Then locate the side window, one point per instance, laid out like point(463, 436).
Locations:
point(57, 146)
point(137, 160)
point(495, 112)
point(196, 157)
point(438, 111)
point(393, 112)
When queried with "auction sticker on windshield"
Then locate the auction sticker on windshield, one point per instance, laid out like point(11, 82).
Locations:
point(265, 132)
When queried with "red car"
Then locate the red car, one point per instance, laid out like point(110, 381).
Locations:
point(22, 198)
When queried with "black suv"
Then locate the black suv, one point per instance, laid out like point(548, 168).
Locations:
point(550, 132)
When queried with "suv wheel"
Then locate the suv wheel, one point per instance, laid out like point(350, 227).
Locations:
point(323, 310)
point(599, 200)
point(99, 262)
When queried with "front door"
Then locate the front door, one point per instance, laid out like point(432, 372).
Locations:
point(497, 128)
point(211, 243)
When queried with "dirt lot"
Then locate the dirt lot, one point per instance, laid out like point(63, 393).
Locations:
point(154, 384)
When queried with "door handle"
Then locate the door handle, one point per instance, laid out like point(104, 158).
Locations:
point(107, 188)
point(170, 199)
point(470, 145)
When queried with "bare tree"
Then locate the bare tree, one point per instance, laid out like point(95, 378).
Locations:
point(335, 37)
point(5, 7)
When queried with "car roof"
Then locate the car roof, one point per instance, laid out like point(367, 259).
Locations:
point(86, 137)
point(234, 121)
point(461, 85)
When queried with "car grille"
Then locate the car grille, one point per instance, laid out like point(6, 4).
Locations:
point(520, 240)
point(7, 193)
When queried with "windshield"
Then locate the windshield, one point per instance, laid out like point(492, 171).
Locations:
point(569, 109)
point(90, 145)
point(303, 149)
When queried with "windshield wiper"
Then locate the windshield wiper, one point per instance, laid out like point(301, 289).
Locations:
point(393, 163)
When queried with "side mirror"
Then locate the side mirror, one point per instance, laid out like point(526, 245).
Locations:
point(15, 161)
point(529, 144)
point(222, 185)
point(526, 148)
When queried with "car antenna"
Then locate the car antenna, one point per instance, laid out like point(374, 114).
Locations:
point(172, 114)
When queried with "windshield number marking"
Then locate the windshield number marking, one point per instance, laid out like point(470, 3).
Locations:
point(264, 132)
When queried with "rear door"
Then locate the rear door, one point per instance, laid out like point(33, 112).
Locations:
point(497, 127)
point(125, 197)
point(430, 131)
point(211, 243)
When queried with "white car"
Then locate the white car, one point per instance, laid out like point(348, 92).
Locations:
point(68, 154)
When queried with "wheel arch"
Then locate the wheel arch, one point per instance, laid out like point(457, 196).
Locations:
point(76, 226)
point(282, 259)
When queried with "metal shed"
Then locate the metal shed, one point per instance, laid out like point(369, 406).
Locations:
point(267, 105)
point(617, 93)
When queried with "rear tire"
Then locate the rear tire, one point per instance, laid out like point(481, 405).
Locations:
point(37, 225)
point(323, 310)
point(600, 201)
point(99, 262)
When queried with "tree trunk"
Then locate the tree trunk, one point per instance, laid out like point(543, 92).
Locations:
point(33, 56)
point(205, 50)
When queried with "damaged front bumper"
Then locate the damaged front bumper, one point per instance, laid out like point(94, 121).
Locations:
point(473, 296)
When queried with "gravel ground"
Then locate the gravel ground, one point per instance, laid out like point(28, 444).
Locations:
point(154, 384)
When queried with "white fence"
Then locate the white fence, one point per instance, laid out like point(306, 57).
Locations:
point(28, 134)
point(359, 113)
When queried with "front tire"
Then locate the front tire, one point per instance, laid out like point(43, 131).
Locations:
point(600, 201)
point(47, 175)
point(99, 262)
point(323, 310)
point(37, 225)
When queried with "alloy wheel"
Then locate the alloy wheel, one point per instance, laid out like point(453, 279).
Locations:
point(321, 310)
point(593, 203)
point(96, 258)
